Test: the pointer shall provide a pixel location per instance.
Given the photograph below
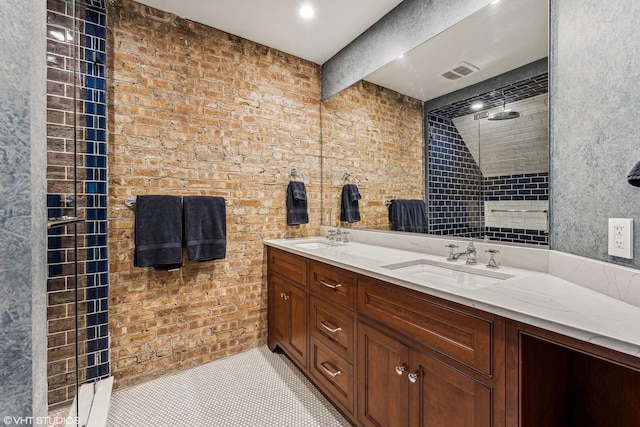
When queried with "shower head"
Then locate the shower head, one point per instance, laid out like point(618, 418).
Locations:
point(504, 115)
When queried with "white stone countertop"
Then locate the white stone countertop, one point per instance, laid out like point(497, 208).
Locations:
point(533, 297)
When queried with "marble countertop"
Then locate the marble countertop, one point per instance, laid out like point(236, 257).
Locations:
point(533, 297)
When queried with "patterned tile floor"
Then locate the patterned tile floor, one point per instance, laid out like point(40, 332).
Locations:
point(255, 388)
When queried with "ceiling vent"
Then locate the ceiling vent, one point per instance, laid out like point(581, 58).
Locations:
point(463, 69)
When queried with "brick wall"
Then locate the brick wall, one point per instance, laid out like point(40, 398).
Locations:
point(196, 111)
point(376, 135)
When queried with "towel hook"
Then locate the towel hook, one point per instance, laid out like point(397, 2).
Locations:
point(346, 176)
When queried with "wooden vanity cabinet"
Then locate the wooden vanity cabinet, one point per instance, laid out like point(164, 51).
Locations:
point(401, 386)
point(426, 362)
point(557, 381)
point(288, 304)
point(332, 333)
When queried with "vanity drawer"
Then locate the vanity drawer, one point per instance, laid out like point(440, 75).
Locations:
point(462, 336)
point(332, 326)
point(333, 283)
point(288, 265)
point(333, 374)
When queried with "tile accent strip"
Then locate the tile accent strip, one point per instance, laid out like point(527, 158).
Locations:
point(96, 190)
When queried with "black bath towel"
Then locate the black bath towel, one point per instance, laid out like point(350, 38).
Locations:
point(634, 176)
point(349, 209)
point(205, 228)
point(297, 203)
point(408, 215)
point(158, 232)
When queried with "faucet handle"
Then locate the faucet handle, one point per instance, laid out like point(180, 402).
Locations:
point(345, 236)
point(492, 262)
point(451, 247)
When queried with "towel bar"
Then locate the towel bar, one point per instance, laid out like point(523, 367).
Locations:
point(519, 210)
point(130, 201)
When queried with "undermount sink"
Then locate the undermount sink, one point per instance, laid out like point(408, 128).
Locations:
point(313, 244)
point(448, 273)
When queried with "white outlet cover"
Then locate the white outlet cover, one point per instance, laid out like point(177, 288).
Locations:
point(621, 237)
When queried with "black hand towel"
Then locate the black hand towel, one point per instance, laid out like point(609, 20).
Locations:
point(205, 228)
point(408, 215)
point(158, 232)
point(634, 176)
point(297, 203)
point(349, 209)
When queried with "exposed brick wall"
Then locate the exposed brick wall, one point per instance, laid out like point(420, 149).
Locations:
point(376, 135)
point(196, 111)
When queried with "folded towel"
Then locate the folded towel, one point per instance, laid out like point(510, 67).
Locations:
point(158, 232)
point(408, 215)
point(349, 209)
point(297, 203)
point(634, 176)
point(205, 228)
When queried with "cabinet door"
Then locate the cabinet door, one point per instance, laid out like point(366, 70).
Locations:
point(440, 396)
point(289, 325)
point(382, 390)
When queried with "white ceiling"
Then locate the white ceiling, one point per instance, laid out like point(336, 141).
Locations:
point(502, 36)
point(277, 23)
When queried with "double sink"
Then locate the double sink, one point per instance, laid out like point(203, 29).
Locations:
point(422, 269)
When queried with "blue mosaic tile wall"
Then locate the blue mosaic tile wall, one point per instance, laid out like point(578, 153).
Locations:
point(454, 188)
point(96, 190)
point(518, 235)
point(530, 186)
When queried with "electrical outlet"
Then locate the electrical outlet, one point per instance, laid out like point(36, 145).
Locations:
point(621, 237)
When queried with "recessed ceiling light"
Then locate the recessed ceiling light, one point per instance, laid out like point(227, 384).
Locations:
point(477, 106)
point(306, 11)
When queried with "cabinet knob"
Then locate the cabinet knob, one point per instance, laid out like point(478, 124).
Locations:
point(413, 377)
point(400, 369)
point(284, 296)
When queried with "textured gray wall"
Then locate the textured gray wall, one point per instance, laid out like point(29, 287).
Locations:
point(23, 310)
point(410, 24)
point(594, 123)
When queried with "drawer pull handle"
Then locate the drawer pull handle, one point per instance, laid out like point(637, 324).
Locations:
point(400, 369)
point(329, 285)
point(329, 371)
point(413, 377)
point(329, 328)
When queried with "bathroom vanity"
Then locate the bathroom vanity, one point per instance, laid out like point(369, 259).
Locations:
point(393, 341)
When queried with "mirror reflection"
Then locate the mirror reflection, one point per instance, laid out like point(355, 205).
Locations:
point(409, 132)
point(488, 171)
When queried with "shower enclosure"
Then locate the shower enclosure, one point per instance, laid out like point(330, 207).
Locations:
point(77, 284)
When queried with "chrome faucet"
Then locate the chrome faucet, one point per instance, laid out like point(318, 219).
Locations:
point(334, 235)
point(470, 253)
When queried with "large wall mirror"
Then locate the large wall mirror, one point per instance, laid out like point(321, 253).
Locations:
point(460, 122)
